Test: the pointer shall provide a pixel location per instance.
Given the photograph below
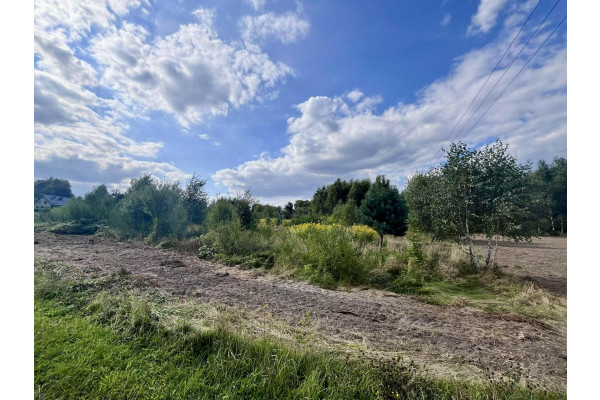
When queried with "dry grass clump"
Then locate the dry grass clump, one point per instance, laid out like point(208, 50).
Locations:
point(538, 302)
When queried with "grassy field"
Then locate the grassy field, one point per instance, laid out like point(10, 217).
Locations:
point(106, 339)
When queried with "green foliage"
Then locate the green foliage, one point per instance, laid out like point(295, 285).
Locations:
point(265, 211)
point(474, 191)
point(153, 209)
point(288, 211)
point(220, 211)
point(195, 200)
point(242, 205)
point(548, 186)
point(383, 209)
point(51, 186)
point(302, 207)
point(230, 238)
point(345, 214)
point(324, 256)
point(358, 191)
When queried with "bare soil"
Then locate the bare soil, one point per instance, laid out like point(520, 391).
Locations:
point(543, 261)
point(447, 340)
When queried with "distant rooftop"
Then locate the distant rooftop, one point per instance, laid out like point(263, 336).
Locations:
point(56, 200)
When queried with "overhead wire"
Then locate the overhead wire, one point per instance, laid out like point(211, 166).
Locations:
point(504, 73)
point(515, 77)
point(488, 78)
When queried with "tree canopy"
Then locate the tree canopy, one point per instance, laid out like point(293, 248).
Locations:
point(52, 186)
point(383, 209)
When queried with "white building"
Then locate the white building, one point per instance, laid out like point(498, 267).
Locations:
point(50, 201)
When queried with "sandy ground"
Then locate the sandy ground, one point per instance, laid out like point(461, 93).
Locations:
point(543, 261)
point(450, 340)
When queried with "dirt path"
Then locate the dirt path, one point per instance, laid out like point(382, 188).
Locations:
point(455, 340)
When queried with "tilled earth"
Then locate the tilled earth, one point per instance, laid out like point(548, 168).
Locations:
point(543, 261)
point(445, 339)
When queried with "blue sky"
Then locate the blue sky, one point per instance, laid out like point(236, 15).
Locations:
point(285, 96)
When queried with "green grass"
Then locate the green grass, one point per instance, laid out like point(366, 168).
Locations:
point(93, 343)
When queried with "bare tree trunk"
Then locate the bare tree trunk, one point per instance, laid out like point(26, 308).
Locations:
point(496, 250)
point(489, 251)
point(561, 226)
point(469, 243)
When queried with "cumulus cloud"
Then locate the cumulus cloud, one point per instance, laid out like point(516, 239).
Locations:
point(486, 16)
point(78, 135)
point(286, 28)
point(341, 136)
point(75, 18)
point(190, 73)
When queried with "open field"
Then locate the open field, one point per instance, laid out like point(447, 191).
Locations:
point(543, 261)
point(449, 341)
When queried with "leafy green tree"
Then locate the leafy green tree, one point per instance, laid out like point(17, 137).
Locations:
point(195, 200)
point(302, 207)
point(288, 210)
point(220, 211)
point(318, 203)
point(345, 214)
point(504, 198)
point(383, 209)
point(152, 208)
point(99, 202)
point(52, 186)
point(337, 193)
point(358, 191)
point(260, 211)
point(242, 204)
point(474, 191)
point(462, 180)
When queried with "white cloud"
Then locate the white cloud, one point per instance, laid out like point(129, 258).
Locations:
point(78, 135)
point(355, 95)
point(333, 137)
point(486, 16)
point(256, 4)
point(75, 18)
point(446, 20)
point(286, 28)
point(190, 73)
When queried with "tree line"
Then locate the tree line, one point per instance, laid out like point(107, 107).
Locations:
point(474, 191)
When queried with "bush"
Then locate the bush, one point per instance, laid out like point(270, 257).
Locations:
point(231, 239)
point(325, 254)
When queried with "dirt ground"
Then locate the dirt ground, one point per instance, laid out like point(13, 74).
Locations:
point(543, 261)
point(448, 340)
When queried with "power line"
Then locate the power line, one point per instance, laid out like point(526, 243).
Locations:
point(506, 70)
point(502, 76)
point(488, 78)
point(515, 77)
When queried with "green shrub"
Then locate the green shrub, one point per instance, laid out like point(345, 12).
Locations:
point(325, 255)
point(230, 239)
point(206, 252)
